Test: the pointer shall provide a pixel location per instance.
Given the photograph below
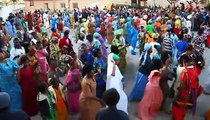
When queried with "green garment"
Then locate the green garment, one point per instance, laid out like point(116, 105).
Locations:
point(150, 28)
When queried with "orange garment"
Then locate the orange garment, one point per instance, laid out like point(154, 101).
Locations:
point(207, 115)
point(89, 106)
point(61, 110)
point(157, 24)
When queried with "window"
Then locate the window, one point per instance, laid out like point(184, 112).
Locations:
point(31, 2)
point(75, 5)
point(63, 5)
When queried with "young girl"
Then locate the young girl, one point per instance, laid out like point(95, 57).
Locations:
point(57, 92)
point(45, 103)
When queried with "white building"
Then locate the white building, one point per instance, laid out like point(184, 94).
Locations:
point(10, 8)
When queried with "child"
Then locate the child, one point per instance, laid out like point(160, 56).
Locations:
point(57, 92)
point(45, 103)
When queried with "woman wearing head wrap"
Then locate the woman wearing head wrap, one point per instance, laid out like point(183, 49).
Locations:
point(122, 49)
point(110, 34)
point(142, 76)
point(150, 27)
point(114, 80)
point(128, 31)
point(54, 49)
point(134, 38)
point(103, 46)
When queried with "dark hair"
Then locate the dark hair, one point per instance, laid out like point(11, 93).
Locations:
point(96, 52)
point(66, 33)
point(53, 29)
point(157, 64)
point(111, 97)
point(114, 49)
point(23, 59)
point(86, 69)
point(164, 56)
point(184, 58)
point(200, 31)
point(89, 37)
point(42, 88)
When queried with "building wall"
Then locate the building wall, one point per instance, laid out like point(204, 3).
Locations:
point(39, 4)
point(5, 10)
point(165, 3)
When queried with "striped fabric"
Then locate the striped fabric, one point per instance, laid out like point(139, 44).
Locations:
point(167, 44)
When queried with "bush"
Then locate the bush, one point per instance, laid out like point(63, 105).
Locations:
point(208, 6)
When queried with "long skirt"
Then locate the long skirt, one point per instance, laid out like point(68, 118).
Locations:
point(73, 101)
point(139, 87)
point(151, 102)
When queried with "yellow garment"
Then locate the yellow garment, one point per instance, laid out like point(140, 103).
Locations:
point(178, 23)
point(148, 39)
point(86, 26)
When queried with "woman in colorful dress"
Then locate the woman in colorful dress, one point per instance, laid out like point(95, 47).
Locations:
point(54, 49)
point(188, 92)
point(57, 92)
point(28, 86)
point(153, 96)
point(103, 46)
point(142, 75)
point(41, 54)
point(8, 82)
point(122, 49)
point(100, 65)
point(73, 87)
point(89, 103)
point(110, 34)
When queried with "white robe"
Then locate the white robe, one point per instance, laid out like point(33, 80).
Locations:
point(116, 82)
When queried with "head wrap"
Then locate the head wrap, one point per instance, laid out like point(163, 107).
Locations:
point(54, 38)
point(117, 32)
point(95, 35)
point(98, 29)
point(150, 22)
point(116, 57)
point(147, 47)
point(4, 100)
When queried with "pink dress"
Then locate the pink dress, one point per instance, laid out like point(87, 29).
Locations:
point(74, 89)
point(41, 55)
point(153, 96)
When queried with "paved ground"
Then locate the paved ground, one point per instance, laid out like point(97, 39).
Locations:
point(129, 76)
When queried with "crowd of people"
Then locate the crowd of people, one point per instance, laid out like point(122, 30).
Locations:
point(41, 72)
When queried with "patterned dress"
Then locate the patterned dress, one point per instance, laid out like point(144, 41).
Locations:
point(100, 78)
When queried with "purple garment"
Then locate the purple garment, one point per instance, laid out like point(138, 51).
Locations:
point(103, 48)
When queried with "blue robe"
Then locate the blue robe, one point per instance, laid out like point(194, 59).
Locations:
point(66, 21)
point(128, 32)
point(8, 84)
point(53, 22)
point(10, 29)
point(134, 39)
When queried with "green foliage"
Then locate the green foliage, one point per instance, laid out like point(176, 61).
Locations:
point(208, 6)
